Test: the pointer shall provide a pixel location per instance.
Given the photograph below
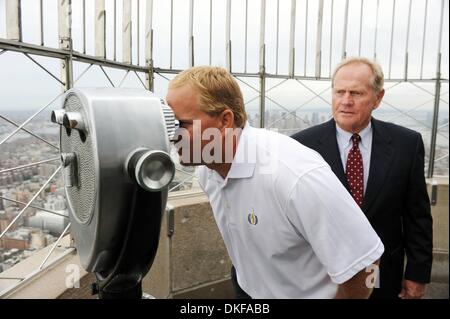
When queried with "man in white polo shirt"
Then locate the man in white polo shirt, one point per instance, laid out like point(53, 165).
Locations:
point(290, 227)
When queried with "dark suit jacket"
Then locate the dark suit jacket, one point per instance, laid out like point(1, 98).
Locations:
point(396, 201)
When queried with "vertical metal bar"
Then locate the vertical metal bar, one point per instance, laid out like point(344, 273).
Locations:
point(360, 27)
point(407, 41)
point(306, 38)
point(440, 27)
point(262, 65)
point(100, 28)
point(69, 69)
point(138, 28)
point(424, 37)
point(13, 20)
point(277, 39)
point(246, 35)
point(228, 37)
point(41, 21)
point(437, 95)
point(292, 40)
point(344, 36)
point(331, 36)
point(262, 36)
point(171, 34)
point(151, 72)
point(392, 39)
point(65, 23)
point(126, 31)
point(65, 41)
point(210, 31)
point(191, 33)
point(149, 44)
point(148, 31)
point(319, 40)
point(376, 31)
point(262, 102)
point(115, 29)
point(84, 26)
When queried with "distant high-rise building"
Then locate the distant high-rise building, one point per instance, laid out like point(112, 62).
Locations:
point(38, 240)
point(256, 120)
point(57, 203)
point(2, 207)
point(429, 119)
point(315, 118)
point(4, 222)
point(48, 221)
point(11, 243)
point(46, 169)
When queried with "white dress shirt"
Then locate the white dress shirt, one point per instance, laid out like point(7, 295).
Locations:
point(344, 140)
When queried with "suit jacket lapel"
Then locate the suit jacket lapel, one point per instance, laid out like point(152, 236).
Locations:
point(380, 162)
point(330, 151)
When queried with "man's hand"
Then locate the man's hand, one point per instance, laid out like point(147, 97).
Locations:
point(356, 287)
point(412, 290)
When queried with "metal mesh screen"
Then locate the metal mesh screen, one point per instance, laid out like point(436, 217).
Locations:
point(80, 198)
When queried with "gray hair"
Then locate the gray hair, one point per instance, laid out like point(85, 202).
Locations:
point(378, 76)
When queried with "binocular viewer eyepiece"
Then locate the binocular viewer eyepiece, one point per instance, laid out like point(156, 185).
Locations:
point(115, 148)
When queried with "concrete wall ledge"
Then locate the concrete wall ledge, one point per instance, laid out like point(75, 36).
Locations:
point(192, 261)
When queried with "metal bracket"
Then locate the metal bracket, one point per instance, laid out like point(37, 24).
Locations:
point(170, 220)
point(434, 191)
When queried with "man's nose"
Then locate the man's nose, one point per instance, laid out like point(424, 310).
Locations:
point(347, 99)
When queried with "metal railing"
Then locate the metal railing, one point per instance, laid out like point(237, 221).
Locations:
point(309, 49)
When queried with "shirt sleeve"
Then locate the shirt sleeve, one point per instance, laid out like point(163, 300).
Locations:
point(325, 214)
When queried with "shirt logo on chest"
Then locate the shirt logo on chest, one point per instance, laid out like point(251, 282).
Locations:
point(252, 218)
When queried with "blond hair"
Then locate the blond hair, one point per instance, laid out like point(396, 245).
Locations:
point(217, 88)
point(377, 81)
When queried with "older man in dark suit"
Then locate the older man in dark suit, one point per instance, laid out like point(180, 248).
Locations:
point(382, 166)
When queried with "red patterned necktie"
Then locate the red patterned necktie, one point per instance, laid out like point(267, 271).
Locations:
point(355, 171)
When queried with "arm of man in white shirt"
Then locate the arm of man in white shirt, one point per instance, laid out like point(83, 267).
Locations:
point(356, 287)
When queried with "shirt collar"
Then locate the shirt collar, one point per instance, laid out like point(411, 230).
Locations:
point(345, 137)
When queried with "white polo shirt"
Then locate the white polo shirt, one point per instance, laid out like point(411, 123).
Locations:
point(290, 227)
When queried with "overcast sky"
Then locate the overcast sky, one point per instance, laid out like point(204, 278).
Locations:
point(18, 74)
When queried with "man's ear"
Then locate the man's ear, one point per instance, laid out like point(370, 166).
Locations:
point(227, 119)
point(379, 98)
